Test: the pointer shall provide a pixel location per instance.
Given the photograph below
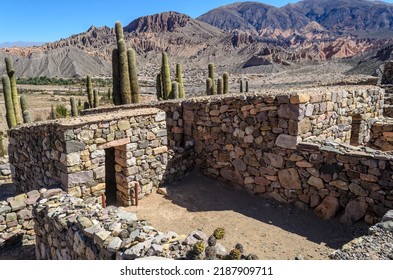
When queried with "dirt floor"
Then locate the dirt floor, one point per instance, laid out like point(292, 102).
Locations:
point(265, 227)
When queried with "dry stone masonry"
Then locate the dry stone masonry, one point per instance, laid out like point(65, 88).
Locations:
point(319, 149)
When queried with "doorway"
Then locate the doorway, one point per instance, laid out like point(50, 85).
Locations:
point(110, 177)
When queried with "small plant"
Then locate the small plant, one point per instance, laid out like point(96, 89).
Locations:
point(241, 86)
point(219, 233)
point(225, 78)
point(61, 111)
point(234, 255)
point(199, 247)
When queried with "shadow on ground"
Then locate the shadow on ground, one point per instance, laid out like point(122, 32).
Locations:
point(199, 193)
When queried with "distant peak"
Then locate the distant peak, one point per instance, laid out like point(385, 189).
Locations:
point(167, 21)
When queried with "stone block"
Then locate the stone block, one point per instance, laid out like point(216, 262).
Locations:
point(300, 98)
point(78, 178)
point(316, 182)
point(287, 141)
point(289, 111)
point(123, 125)
point(17, 205)
point(289, 179)
point(273, 160)
point(74, 146)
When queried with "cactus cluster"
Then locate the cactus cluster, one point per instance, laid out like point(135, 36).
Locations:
point(199, 247)
point(166, 89)
point(222, 86)
point(13, 107)
point(124, 72)
point(235, 254)
point(92, 96)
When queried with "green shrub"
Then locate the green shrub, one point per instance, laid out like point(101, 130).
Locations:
point(61, 111)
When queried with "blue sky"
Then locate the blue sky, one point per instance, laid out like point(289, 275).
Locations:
point(50, 20)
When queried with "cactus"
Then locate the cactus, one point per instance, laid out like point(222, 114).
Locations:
point(125, 86)
point(246, 86)
point(133, 76)
point(109, 94)
point(220, 86)
point(219, 233)
point(86, 105)
point(89, 89)
point(175, 91)
point(159, 87)
point(9, 106)
point(14, 90)
point(179, 78)
point(74, 108)
point(166, 76)
point(225, 78)
point(211, 76)
point(52, 115)
point(209, 86)
point(116, 78)
point(241, 86)
point(198, 247)
point(234, 254)
point(2, 150)
point(119, 31)
point(25, 109)
point(96, 102)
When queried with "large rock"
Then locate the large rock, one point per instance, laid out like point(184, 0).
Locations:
point(354, 211)
point(287, 141)
point(289, 179)
point(328, 208)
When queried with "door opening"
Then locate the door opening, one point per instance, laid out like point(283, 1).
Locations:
point(110, 177)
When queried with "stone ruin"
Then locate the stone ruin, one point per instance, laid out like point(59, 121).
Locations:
point(322, 149)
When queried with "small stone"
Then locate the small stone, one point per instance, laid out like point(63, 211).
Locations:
point(289, 179)
point(5, 210)
point(388, 216)
point(316, 182)
point(114, 245)
point(17, 205)
point(162, 191)
point(101, 236)
point(239, 165)
point(287, 141)
point(123, 125)
point(10, 217)
point(340, 185)
point(84, 222)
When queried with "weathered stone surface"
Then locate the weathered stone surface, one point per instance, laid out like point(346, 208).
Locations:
point(273, 160)
point(300, 98)
point(357, 190)
point(74, 146)
point(77, 178)
point(289, 179)
point(123, 125)
point(287, 141)
point(114, 245)
point(288, 111)
point(239, 165)
point(316, 182)
point(328, 208)
point(354, 211)
point(340, 185)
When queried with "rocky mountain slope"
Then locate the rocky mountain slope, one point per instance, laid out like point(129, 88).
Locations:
point(242, 37)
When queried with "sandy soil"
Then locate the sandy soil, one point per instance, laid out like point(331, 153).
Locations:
point(265, 227)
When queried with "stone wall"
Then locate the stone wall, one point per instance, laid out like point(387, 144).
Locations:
point(71, 154)
point(70, 228)
point(254, 141)
point(382, 135)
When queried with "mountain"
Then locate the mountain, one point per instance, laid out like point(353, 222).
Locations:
point(355, 17)
point(241, 37)
point(371, 19)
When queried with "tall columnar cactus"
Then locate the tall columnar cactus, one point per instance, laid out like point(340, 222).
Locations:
point(166, 77)
point(133, 76)
point(175, 91)
point(2, 150)
point(247, 86)
point(225, 78)
point(25, 109)
point(211, 76)
point(89, 88)
point(159, 87)
point(116, 78)
point(220, 86)
point(96, 99)
point(119, 31)
point(14, 90)
point(179, 78)
point(109, 94)
point(9, 106)
point(74, 108)
point(125, 86)
point(241, 86)
point(209, 86)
